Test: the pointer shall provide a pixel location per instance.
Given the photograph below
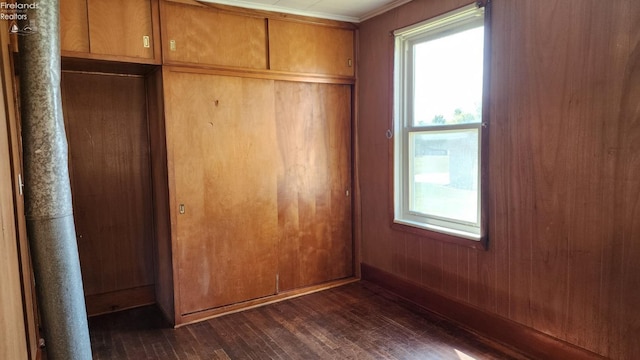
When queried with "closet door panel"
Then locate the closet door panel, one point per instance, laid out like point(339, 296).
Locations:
point(223, 175)
point(314, 189)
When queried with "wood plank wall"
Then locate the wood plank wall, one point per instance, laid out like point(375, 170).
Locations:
point(9, 84)
point(564, 232)
point(13, 335)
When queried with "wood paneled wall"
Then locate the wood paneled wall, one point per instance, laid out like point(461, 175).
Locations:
point(564, 184)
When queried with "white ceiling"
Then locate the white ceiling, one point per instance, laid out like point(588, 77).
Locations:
point(343, 10)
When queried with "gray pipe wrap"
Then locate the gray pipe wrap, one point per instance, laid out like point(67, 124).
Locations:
point(48, 206)
point(46, 165)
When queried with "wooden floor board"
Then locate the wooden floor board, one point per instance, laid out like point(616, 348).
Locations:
point(355, 321)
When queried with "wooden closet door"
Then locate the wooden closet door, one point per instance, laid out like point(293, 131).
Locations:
point(314, 189)
point(223, 169)
point(106, 121)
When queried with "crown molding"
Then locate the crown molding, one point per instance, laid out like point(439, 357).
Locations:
point(281, 9)
point(383, 9)
point(322, 15)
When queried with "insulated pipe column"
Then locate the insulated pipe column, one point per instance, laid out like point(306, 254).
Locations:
point(48, 207)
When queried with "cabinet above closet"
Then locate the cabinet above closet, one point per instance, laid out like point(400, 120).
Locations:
point(310, 48)
point(217, 36)
point(116, 30)
point(197, 34)
point(206, 35)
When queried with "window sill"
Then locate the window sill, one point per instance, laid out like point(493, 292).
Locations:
point(479, 243)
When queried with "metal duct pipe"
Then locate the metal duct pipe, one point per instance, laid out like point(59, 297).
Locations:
point(48, 207)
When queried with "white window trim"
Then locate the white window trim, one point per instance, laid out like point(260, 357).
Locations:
point(469, 16)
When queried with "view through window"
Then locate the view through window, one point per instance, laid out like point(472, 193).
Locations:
point(439, 84)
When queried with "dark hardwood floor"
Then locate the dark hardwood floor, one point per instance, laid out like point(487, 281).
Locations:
point(356, 321)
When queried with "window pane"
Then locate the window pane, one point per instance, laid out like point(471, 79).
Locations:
point(448, 79)
point(443, 174)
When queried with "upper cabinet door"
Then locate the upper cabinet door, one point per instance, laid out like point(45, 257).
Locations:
point(307, 48)
point(74, 26)
point(121, 27)
point(200, 35)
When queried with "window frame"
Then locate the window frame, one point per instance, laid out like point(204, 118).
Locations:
point(402, 219)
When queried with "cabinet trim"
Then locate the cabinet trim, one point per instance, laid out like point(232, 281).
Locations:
point(187, 319)
point(115, 58)
point(258, 74)
point(120, 300)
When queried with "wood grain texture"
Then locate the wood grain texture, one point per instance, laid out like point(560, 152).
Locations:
point(74, 26)
point(254, 303)
point(207, 36)
point(263, 74)
point(223, 167)
point(525, 339)
point(163, 247)
point(106, 120)
point(81, 64)
point(357, 321)
point(117, 27)
point(13, 342)
point(314, 185)
point(120, 300)
point(306, 48)
point(374, 92)
point(31, 315)
point(563, 171)
point(263, 169)
point(623, 279)
point(124, 60)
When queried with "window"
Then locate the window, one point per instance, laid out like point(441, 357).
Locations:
point(439, 83)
